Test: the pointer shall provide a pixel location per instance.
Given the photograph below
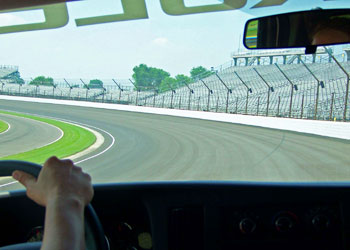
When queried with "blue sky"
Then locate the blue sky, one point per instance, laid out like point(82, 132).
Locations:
point(174, 43)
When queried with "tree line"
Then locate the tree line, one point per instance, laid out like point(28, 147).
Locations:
point(155, 79)
point(145, 78)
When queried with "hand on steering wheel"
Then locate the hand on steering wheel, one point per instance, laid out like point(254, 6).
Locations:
point(45, 187)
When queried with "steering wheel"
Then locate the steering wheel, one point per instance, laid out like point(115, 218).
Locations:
point(92, 222)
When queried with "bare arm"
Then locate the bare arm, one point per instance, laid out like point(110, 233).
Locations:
point(65, 191)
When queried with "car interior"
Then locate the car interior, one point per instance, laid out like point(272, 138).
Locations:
point(181, 215)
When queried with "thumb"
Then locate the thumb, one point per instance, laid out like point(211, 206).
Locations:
point(25, 179)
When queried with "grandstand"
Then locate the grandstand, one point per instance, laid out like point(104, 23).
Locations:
point(301, 86)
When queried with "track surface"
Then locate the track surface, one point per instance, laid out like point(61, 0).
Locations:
point(25, 134)
point(152, 147)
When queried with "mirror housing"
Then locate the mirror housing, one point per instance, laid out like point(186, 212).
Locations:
point(307, 29)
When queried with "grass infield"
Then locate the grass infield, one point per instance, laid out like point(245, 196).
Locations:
point(3, 126)
point(74, 140)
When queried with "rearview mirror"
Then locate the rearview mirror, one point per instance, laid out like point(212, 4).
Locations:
point(307, 29)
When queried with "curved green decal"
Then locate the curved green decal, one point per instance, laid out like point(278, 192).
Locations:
point(133, 10)
point(177, 7)
point(56, 16)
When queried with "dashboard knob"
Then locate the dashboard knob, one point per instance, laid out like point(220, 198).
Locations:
point(284, 224)
point(247, 226)
point(321, 222)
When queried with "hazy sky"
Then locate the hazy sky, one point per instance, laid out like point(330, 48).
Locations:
point(174, 43)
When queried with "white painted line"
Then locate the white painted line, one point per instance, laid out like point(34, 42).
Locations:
point(8, 127)
point(82, 124)
point(74, 123)
point(59, 138)
point(98, 143)
point(104, 151)
point(324, 128)
point(8, 184)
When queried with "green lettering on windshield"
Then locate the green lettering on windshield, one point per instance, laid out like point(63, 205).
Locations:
point(177, 7)
point(133, 10)
point(268, 3)
point(56, 16)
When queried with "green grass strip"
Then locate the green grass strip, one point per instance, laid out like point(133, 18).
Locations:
point(74, 140)
point(3, 126)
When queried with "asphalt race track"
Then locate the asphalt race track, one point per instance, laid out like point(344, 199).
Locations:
point(25, 134)
point(153, 148)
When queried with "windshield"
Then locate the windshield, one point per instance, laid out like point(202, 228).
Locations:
point(165, 91)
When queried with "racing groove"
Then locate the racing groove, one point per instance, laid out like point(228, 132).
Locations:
point(156, 148)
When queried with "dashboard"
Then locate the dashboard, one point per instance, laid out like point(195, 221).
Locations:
point(203, 215)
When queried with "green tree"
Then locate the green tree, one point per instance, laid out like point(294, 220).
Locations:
point(199, 73)
point(43, 81)
point(182, 80)
point(147, 78)
point(95, 84)
point(167, 84)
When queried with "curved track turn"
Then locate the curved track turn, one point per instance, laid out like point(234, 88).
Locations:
point(26, 134)
point(153, 147)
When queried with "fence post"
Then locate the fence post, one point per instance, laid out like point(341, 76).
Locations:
point(199, 98)
point(268, 91)
point(189, 97)
point(120, 88)
point(347, 82)
point(154, 98)
point(70, 87)
point(172, 98)
point(87, 88)
point(292, 90)
point(163, 101)
point(217, 105)
point(249, 90)
point(209, 93)
point(317, 89)
point(180, 103)
point(278, 106)
point(229, 91)
point(137, 91)
point(302, 107)
point(236, 104)
point(331, 112)
point(257, 110)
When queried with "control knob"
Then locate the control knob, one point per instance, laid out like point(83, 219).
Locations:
point(321, 222)
point(247, 226)
point(286, 222)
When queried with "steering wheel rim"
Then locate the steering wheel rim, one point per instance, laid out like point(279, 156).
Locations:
point(6, 169)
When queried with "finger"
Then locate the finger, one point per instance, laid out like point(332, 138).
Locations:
point(87, 176)
point(25, 179)
point(78, 169)
point(67, 162)
point(51, 161)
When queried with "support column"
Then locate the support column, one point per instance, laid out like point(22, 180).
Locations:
point(291, 92)
point(330, 53)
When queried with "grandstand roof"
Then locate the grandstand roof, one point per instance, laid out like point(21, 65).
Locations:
point(274, 53)
point(7, 70)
